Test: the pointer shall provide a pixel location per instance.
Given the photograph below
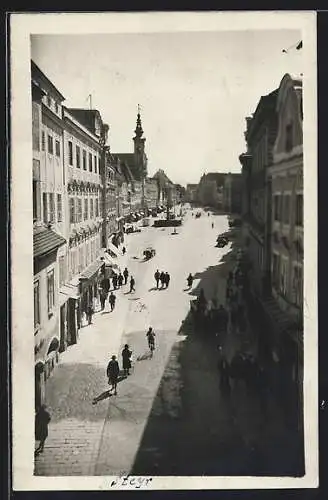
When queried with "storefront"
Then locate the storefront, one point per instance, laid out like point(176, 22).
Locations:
point(88, 285)
point(69, 310)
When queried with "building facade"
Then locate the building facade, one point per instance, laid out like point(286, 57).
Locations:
point(232, 193)
point(151, 193)
point(83, 143)
point(287, 246)
point(260, 136)
point(49, 243)
point(191, 193)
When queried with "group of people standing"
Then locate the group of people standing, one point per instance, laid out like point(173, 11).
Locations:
point(118, 280)
point(162, 278)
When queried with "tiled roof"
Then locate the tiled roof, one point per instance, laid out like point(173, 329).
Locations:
point(45, 240)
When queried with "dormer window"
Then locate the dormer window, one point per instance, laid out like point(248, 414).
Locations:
point(289, 138)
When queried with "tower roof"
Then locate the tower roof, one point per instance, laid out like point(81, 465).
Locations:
point(139, 131)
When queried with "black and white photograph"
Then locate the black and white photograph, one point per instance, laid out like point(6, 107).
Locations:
point(164, 250)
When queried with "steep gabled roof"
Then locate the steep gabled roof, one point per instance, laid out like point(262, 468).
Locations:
point(45, 240)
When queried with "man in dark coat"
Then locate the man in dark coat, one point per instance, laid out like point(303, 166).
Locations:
point(120, 279)
point(112, 300)
point(102, 299)
point(125, 274)
point(157, 277)
point(42, 419)
point(167, 279)
point(162, 278)
point(113, 371)
point(114, 279)
point(126, 358)
point(132, 283)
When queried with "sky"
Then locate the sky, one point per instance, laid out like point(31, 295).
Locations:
point(195, 89)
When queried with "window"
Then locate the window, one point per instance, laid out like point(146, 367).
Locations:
point(99, 169)
point(70, 153)
point(59, 208)
point(36, 304)
point(97, 207)
point(90, 162)
point(84, 159)
point(45, 207)
point(56, 107)
point(51, 291)
point(43, 140)
point(35, 127)
point(57, 145)
point(276, 201)
point(91, 208)
point(86, 208)
point(49, 100)
point(286, 211)
point(79, 209)
point(298, 285)
point(36, 200)
point(62, 270)
point(50, 144)
point(299, 210)
point(72, 210)
point(52, 216)
point(78, 157)
point(95, 163)
point(289, 137)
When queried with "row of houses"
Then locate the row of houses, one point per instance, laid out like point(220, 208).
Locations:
point(220, 191)
point(272, 213)
point(83, 194)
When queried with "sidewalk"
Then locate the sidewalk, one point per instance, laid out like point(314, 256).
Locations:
point(76, 426)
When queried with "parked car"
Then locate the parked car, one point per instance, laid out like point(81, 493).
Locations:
point(149, 252)
point(222, 241)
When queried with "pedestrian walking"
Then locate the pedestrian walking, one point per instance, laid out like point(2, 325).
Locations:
point(120, 279)
point(132, 283)
point(105, 284)
point(114, 279)
point(151, 339)
point(42, 419)
point(113, 371)
point(167, 279)
point(162, 278)
point(126, 357)
point(112, 301)
point(89, 313)
point(123, 250)
point(157, 277)
point(125, 274)
point(102, 299)
point(212, 225)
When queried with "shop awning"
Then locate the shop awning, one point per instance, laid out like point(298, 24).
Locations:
point(113, 249)
point(109, 261)
point(67, 292)
point(91, 270)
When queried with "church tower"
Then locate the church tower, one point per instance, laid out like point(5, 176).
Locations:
point(140, 158)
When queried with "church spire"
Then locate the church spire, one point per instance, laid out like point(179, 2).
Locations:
point(138, 131)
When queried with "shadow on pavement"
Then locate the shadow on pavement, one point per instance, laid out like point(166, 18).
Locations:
point(67, 400)
point(195, 428)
